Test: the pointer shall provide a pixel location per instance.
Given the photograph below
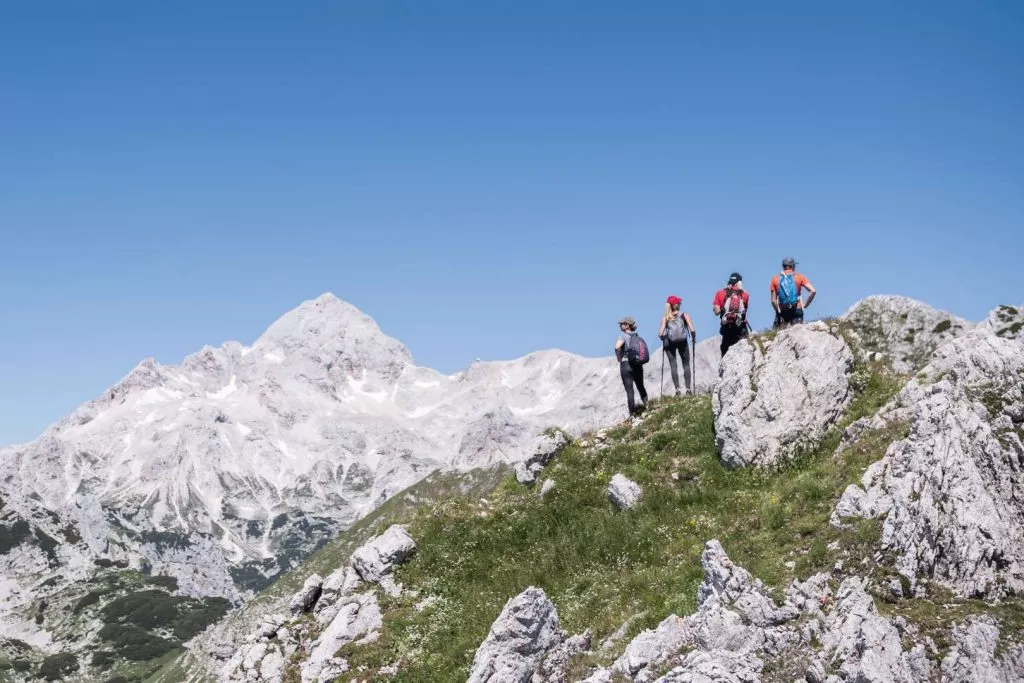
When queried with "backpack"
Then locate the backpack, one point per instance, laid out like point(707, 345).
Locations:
point(788, 295)
point(734, 311)
point(675, 329)
point(636, 349)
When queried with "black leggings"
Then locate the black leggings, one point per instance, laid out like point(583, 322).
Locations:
point(731, 335)
point(682, 347)
point(633, 373)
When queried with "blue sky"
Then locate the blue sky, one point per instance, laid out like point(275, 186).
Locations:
point(485, 179)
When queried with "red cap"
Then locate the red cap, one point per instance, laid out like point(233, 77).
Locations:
point(673, 300)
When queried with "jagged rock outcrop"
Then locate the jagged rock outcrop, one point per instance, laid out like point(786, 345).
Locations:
point(738, 629)
point(973, 657)
point(344, 611)
point(1006, 321)
point(547, 446)
point(950, 491)
point(780, 395)
point(864, 645)
point(307, 596)
point(903, 331)
point(526, 643)
point(375, 560)
point(624, 492)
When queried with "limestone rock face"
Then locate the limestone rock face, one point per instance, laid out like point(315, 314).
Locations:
point(867, 644)
point(525, 632)
point(903, 331)
point(779, 397)
point(950, 491)
point(624, 492)
point(342, 615)
point(1006, 321)
point(304, 600)
point(973, 657)
point(832, 638)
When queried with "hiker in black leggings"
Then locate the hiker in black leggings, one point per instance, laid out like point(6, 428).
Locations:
point(631, 373)
point(675, 325)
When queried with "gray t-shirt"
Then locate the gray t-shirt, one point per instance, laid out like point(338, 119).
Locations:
point(621, 352)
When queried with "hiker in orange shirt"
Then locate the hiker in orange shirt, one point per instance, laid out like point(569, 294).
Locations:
point(786, 289)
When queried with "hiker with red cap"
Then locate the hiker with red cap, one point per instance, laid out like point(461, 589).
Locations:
point(730, 305)
point(675, 332)
point(786, 289)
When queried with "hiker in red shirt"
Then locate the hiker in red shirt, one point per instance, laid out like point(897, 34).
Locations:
point(730, 305)
point(786, 289)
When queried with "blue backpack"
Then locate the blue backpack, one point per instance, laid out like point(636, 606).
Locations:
point(788, 296)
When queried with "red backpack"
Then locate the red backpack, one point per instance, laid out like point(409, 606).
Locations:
point(734, 310)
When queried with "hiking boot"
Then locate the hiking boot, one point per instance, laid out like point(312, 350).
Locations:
point(678, 393)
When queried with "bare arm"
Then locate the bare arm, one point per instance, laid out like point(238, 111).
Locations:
point(661, 330)
point(689, 323)
point(810, 288)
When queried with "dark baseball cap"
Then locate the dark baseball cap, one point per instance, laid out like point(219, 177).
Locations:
point(734, 278)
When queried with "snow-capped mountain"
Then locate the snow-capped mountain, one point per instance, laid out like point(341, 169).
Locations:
point(239, 462)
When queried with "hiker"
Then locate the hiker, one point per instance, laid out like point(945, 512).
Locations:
point(631, 352)
point(786, 289)
point(674, 339)
point(730, 305)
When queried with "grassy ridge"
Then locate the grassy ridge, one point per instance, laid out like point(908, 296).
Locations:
point(602, 566)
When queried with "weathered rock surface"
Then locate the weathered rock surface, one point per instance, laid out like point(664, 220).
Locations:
point(342, 615)
point(624, 492)
point(525, 633)
point(865, 645)
point(903, 331)
point(738, 629)
point(358, 619)
point(375, 559)
point(973, 657)
point(307, 596)
point(777, 396)
point(1006, 321)
point(547, 446)
point(950, 492)
point(719, 666)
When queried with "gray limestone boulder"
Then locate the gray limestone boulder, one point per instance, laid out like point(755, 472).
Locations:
point(624, 492)
point(377, 557)
point(777, 396)
point(306, 597)
point(526, 631)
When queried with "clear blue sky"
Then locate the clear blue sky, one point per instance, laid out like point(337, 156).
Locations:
point(485, 179)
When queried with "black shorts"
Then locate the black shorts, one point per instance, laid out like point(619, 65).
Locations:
point(791, 316)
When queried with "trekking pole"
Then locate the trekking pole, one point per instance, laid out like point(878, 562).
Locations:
point(662, 394)
point(693, 363)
